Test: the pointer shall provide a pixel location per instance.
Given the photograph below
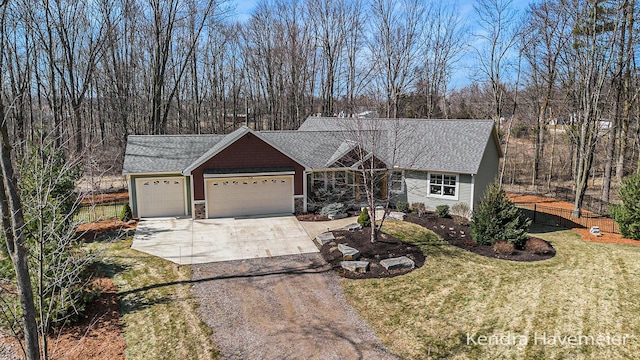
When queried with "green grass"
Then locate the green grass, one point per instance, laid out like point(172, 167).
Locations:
point(587, 289)
point(159, 313)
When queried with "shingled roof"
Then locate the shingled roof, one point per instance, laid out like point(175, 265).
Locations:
point(165, 153)
point(446, 145)
point(454, 146)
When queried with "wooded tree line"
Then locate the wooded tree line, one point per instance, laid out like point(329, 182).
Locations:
point(88, 73)
point(92, 72)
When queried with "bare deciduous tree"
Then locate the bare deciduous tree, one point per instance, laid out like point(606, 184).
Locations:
point(13, 223)
point(544, 38)
point(395, 46)
point(444, 38)
point(595, 30)
point(497, 38)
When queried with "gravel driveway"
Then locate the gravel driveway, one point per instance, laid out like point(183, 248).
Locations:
point(287, 307)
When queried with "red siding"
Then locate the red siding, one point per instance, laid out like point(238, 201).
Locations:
point(247, 152)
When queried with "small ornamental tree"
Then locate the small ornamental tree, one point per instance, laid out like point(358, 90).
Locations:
point(125, 213)
point(364, 220)
point(627, 214)
point(497, 218)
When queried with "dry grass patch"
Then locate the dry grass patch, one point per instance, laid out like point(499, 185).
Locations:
point(587, 289)
point(159, 313)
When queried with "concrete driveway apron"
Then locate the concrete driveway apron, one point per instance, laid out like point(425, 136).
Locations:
point(186, 241)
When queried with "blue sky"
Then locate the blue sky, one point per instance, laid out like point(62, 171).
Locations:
point(464, 71)
point(244, 7)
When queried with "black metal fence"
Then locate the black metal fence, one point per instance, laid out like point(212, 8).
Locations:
point(589, 202)
point(552, 216)
point(91, 213)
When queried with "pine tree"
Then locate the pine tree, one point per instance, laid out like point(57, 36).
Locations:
point(364, 220)
point(627, 214)
point(497, 218)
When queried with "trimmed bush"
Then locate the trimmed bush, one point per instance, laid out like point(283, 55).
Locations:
point(497, 218)
point(538, 246)
point(419, 208)
point(126, 214)
point(402, 206)
point(364, 220)
point(442, 211)
point(504, 248)
point(627, 214)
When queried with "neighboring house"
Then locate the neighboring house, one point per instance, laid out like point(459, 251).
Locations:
point(251, 172)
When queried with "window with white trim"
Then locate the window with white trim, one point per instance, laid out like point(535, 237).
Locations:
point(319, 180)
point(396, 181)
point(443, 185)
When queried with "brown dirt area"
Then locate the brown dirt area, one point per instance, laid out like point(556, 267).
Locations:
point(386, 247)
point(116, 197)
point(456, 231)
point(546, 201)
point(91, 231)
point(311, 217)
point(607, 238)
point(97, 335)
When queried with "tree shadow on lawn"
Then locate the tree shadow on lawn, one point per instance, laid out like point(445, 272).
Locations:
point(540, 229)
point(109, 269)
point(141, 301)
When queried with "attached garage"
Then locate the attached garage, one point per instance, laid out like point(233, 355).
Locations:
point(161, 196)
point(249, 195)
point(212, 176)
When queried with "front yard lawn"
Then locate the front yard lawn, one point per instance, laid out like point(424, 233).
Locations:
point(159, 314)
point(461, 305)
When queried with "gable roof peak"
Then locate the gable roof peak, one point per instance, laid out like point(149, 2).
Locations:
point(229, 139)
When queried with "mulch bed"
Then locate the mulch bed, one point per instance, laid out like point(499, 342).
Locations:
point(115, 197)
point(93, 230)
point(96, 335)
point(551, 204)
point(311, 217)
point(385, 247)
point(456, 231)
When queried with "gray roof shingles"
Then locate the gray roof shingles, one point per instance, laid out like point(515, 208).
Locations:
point(165, 153)
point(313, 148)
point(453, 146)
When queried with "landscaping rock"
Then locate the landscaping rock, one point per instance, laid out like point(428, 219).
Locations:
point(337, 216)
point(355, 266)
point(324, 238)
point(401, 262)
point(353, 227)
point(348, 253)
point(397, 215)
point(379, 211)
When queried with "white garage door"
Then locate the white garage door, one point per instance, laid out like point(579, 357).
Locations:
point(258, 195)
point(158, 197)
